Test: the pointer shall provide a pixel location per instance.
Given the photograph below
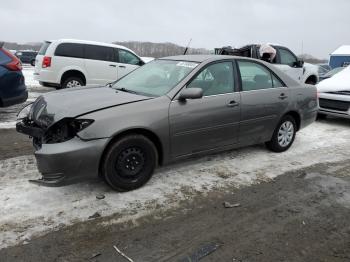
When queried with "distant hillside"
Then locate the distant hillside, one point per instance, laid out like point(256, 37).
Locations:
point(159, 49)
point(312, 60)
point(26, 46)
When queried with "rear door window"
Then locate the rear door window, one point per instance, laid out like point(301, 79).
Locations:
point(255, 76)
point(102, 53)
point(43, 48)
point(70, 50)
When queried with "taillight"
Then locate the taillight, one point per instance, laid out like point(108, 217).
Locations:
point(46, 62)
point(15, 64)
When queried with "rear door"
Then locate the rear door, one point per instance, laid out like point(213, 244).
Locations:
point(127, 62)
point(211, 122)
point(264, 98)
point(101, 65)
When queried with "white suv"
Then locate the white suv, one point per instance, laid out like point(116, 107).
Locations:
point(68, 63)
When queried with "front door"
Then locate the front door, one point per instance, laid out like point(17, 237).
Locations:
point(208, 123)
point(264, 98)
point(127, 62)
point(288, 64)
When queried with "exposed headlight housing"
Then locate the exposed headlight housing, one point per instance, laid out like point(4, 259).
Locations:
point(65, 130)
point(25, 112)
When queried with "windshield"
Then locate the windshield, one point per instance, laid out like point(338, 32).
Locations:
point(155, 78)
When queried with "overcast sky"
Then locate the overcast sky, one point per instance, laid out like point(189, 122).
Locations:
point(321, 25)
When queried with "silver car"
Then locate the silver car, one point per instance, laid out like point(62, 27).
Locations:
point(167, 110)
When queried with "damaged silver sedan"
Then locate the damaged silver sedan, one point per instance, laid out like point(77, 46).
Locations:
point(167, 110)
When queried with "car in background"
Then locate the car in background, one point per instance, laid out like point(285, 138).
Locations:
point(284, 59)
point(69, 63)
point(334, 95)
point(27, 57)
point(167, 110)
point(12, 86)
point(331, 73)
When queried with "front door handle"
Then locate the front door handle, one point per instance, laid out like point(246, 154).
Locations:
point(283, 96)
point(113, 65)
point(232, 103)
point(122, 66)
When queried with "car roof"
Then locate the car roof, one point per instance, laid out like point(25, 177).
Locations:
point(78, 41)
point(202, 58)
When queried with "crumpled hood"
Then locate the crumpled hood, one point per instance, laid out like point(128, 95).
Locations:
point(339, 82)
point(70, 103)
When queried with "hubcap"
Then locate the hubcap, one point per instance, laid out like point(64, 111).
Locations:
point(285, 134)
point(130, 162)
point(73, 83)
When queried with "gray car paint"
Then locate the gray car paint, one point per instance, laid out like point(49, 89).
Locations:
point(180, 129)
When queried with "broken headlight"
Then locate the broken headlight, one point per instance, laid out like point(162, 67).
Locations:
point(65, 130)
point(24, 112)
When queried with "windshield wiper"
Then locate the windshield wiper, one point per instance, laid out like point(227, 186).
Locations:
point(127, 90)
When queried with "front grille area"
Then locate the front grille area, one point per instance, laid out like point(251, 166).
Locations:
point(334, 104)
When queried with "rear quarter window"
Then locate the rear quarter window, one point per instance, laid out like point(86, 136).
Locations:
point(43, 48)
point(4, 59)
point(70, 50)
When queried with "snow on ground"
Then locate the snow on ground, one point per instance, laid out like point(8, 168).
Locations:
point(30, 210)
point(8, 115)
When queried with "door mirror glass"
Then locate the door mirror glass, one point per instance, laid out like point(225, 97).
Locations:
point(191, 93)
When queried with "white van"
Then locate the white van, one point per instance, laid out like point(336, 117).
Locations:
point(68, 63)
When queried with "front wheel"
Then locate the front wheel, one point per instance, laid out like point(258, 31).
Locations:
point(129, 162)
point(284, 135)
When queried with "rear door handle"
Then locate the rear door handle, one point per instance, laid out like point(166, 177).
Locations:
point(283, 96)
point(113, 65)
point(232, 103)
point(122, 66)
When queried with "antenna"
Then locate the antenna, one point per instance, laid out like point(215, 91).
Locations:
point(187, 46)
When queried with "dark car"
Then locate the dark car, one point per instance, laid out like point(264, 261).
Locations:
point(27, 57)
point(12, 86)
point(167, 110)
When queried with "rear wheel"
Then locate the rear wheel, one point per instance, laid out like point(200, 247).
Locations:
point(284, 135)
point(32, 62)
point(129, 163)
point(73, 81)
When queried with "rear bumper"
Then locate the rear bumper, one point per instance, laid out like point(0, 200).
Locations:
point(46, 76)
point(14, 100)
point(69, 162)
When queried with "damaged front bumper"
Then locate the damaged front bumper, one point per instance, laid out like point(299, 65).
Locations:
point(66, 162)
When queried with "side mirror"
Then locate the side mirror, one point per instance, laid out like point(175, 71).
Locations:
point(299, 63)
point(141, 63)
point(191, 93)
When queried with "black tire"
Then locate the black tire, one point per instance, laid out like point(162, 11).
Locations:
point(32, 62)
point(274, 144)
point(321, 116)
point(72, 79)
point(129, 162)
